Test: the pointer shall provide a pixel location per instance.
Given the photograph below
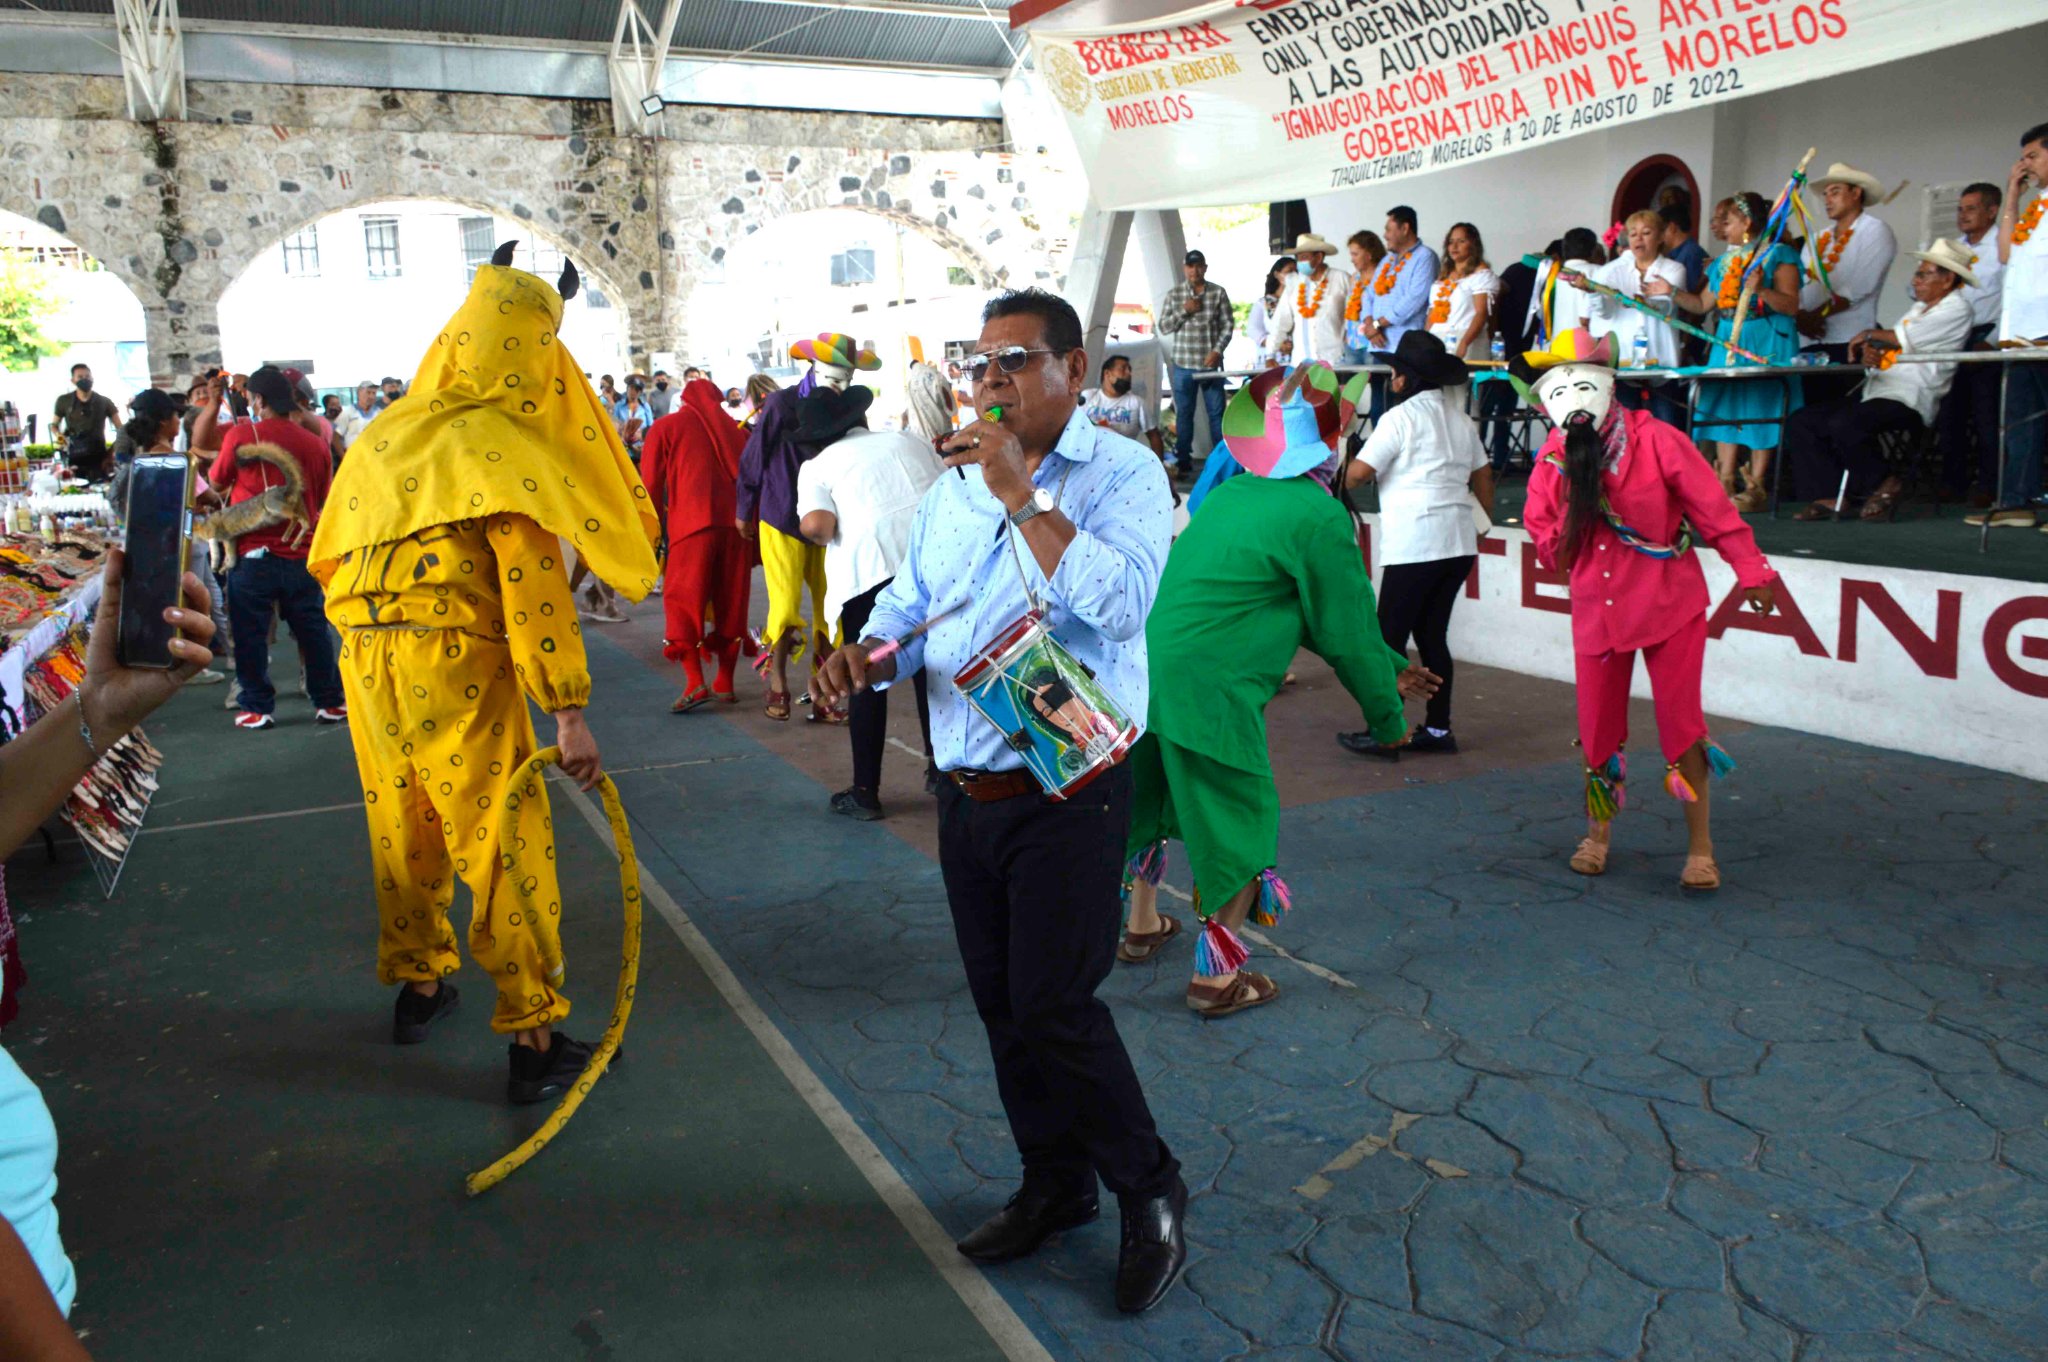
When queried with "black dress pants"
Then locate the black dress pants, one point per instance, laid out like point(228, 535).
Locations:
point(867, 713)
point(1416, 600)
point(1968, 423)
point(1036, 890)
point(1823, 441)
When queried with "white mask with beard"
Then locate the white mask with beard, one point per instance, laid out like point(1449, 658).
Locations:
point(1576, 394)
point(833, 376)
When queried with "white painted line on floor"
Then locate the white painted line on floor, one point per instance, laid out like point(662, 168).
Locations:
point(1327, 975)
point(1010, 1333)
point(917, 752)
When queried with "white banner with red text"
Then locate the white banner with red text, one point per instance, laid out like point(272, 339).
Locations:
point(1243, 101)
point(1925, 662)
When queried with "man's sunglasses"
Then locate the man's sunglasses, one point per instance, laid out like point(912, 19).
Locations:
point(1011, 359)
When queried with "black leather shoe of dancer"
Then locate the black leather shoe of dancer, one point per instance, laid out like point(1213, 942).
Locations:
point(1422, 740)
point(1365, 746)
point(1027, 1220)
point(415, 1012)
point(860, 805)
point(537, 1076)
point(1154, 1248)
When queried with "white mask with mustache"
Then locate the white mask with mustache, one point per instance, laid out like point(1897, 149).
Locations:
point(1576, 393)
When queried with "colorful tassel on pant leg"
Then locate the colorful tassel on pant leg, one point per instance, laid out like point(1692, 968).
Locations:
point(1148, 865)
point(1719, 763)
point(1218, 950)
point(1678, 787)
point(1606, 788)
point(1273, 901)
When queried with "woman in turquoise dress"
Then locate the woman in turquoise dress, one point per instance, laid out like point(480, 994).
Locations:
point(1747, 413)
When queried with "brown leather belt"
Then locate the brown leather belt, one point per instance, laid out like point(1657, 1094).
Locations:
point(988, 787)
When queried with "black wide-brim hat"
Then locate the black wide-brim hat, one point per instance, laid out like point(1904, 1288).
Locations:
point(1423, 358)
point(826, 415)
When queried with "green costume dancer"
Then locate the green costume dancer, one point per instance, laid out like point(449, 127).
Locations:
point(1271, 565)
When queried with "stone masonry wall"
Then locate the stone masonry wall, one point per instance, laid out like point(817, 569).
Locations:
point(178, 209)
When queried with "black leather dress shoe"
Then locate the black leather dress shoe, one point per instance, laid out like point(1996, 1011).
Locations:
point(1154, 1248)
point(1365, 745)
point(1027, 1220)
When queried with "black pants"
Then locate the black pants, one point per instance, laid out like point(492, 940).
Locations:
point(1827, 387)
point(1821, 442)
point(1497, 403)
point(258, 585)
point(1968, 423)
point(1661, 400)
point(1416, 600)
point(867, 713)
point(1035, 889)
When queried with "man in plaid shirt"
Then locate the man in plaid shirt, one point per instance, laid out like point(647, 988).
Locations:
point(1197, 321)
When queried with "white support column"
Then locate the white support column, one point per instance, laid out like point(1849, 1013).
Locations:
point(152, 58)
point(639, 52)
point(1091, 276)
point(1162, 247)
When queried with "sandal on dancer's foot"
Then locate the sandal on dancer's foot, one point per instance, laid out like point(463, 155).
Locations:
point(1249, 989)
point(1883, 504)
point(1700, 874)
point(695, 697)
point(1138, 947)
point(1820, 510)
point(776, 706)
point(1590, 858)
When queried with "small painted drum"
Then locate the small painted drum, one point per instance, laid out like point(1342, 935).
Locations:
point(1048, 707)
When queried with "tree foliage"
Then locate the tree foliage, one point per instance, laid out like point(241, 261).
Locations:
point(24, 305)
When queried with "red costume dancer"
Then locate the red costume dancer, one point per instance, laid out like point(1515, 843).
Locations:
point(691, 466)
point(1617, 500)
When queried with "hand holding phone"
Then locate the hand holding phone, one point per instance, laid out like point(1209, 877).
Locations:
point(153, 567)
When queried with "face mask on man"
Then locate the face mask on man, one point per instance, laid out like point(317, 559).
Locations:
point(85, 384)
point(1119, 386)
point(661, 384)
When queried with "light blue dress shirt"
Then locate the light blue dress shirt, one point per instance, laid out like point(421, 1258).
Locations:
point(1406, 306)
point(960, 558)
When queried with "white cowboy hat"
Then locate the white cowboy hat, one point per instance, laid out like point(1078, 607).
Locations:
point(1841, 172)
point(1309, 241)
point(1952, 256)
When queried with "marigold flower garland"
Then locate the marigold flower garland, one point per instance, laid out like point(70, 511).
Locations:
point(1302, 306)
point(2024, 228)
point(1440, 300)
point(1832, 246)
point(1354, 306)
point(1382, 282)
point(1731, 278)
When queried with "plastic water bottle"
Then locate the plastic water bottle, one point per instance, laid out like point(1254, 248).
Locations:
point(1639, 352)
point(1500, 349)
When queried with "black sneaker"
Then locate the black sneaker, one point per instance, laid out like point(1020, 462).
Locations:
point(415, 1012)
point(1365, 745)
point(537, 1076)
point(858, 805)
point(1422, 740)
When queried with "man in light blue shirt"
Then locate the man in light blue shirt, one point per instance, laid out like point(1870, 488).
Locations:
point(1409, 273)
point(1039, 503)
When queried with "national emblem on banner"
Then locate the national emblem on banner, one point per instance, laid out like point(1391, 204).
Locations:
point(1067, 78)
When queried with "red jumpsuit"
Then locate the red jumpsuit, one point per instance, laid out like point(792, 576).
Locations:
point(691, 467)
point(1625, 601)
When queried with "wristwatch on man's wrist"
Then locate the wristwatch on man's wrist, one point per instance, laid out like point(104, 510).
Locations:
point(1041, 501)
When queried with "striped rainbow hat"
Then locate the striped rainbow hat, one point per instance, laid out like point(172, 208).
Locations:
point(837, 349)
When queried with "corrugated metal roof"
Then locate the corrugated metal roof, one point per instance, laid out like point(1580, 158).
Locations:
point(716, 26)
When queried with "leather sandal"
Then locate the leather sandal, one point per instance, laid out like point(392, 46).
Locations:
point(1590, 858)
point(690, 699)
point(1138, 947)
point(1700, 873)
point(1884, 502)
point(1248, 989)
point(1819, 510)
point(777, 706)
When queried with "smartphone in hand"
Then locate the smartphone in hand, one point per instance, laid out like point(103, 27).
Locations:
point(159, 532)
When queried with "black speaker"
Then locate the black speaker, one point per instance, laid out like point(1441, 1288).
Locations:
point(1285, 223)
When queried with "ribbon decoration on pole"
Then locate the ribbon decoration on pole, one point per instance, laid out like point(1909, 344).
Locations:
point(1241, 101)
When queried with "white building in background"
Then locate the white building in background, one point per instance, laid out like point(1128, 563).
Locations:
point(363, 292)
point(96, 321)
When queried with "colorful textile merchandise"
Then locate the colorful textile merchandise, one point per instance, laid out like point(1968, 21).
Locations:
point(37, 578)
point(1383, 281)
point(1302, 306)
point(108, 805)
point(2024, 228)
point(1440, 300)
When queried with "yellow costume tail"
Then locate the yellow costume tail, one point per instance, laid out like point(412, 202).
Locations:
point(629, 967)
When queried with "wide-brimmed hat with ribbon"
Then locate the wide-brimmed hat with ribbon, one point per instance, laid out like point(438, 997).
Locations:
point(837, 349)
point(1309, 241)
point(1841, 172)
point(1282, 423)
point(1422, 357)
point(1951, 255)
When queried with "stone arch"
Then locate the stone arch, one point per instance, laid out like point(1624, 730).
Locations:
point(600, 272)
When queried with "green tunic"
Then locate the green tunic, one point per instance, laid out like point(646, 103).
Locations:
point(1267, 568)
